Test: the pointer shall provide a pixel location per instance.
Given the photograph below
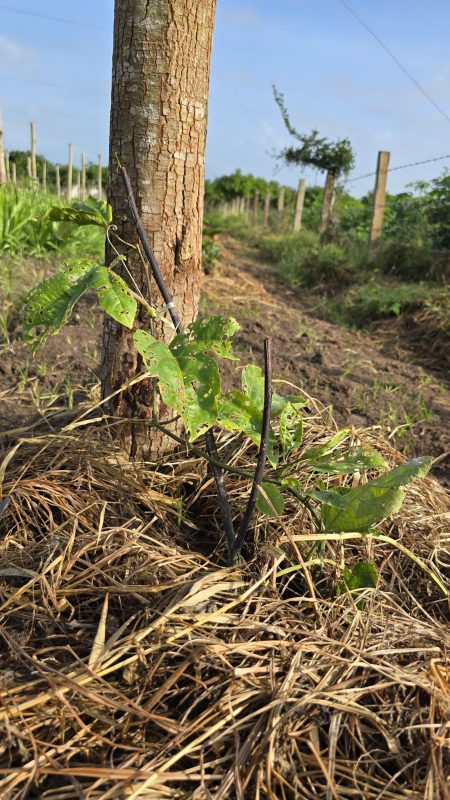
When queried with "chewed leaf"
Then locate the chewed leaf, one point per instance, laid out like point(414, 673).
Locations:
point(253, 386)
point(238, 413)
point(202, 386)
point(270, 501)
point(114, 297)
point(361, 458)
point(92, 212)
point(49, 305)
point(161, 363)
point(324, 449)
point(291, 427)
point(214, 334)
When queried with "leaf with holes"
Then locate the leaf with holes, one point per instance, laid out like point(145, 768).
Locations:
point(291, 427)
point(114, 296)
point(162, 364)
point(324, 449)
point(359, 459)
point(49, 305)
point(210, 333)
point(238, 413)
point(202, 387)
point(92, 212)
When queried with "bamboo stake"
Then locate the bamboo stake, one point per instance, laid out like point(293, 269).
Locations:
point(83, 177)
point(33, 151)
point(379, 198)
point(78, 184)
point(299, 205)
point(267, 200)
point(2, 154)
point(44, 176)
point(99, 178)
point(13, 173)
point(69, 174)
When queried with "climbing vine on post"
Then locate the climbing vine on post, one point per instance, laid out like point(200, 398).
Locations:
point(334, 158)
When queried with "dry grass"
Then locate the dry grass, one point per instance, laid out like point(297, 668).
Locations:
point(135, 665)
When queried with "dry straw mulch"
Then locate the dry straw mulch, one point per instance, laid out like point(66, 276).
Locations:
point(135, 665)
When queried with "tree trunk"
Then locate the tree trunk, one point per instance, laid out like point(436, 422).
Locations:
point(327, 202)
point(160, 81)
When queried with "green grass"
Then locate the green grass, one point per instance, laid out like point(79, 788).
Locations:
point(304, 261)
point(25, 230)
point(375, 300)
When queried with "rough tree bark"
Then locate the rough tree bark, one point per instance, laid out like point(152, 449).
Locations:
point(160, 82)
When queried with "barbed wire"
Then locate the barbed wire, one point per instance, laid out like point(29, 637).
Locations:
point(400, 166)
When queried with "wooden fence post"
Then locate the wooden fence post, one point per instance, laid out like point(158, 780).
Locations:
point(78, 184)
point(379, 198)
point(29, 172)
point(2, 153)
point(267, 200)
point(13, 173)
point(69, 174)
point(255, 208)
point(33, 152)
point(44, 176)
point(281, 194)
point(83, 176)
point(58, 181)
point(327, 202)
point(299, 205)
point(99, 178)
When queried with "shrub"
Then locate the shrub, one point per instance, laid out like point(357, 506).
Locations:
point(361, 305)
point(410, 261)
point(302, 260)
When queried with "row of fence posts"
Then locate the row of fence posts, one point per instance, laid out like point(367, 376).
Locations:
point(8, 171)
point(250, 207)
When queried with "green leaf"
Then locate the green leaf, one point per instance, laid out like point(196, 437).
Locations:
point(291, 427)
point(335, 498)
point(270, 500)
point(362, 576)
point(114, 297)
point(50, 303)
point(237, 412)
point(202, 387)
point(363, 507)
point(211, 333)
point(189, 380)
point(162, 364)
point(405, 473)
point(360, 508)
point(253, 385)
point(324, 449)
point(362, 458)
point(92, 212)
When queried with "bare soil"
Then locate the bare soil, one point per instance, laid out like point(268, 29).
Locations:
point(367, 379)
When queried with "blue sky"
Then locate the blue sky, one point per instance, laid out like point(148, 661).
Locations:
point(333, 74)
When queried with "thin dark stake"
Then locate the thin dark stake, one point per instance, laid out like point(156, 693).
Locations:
point(262, 455)
point(209, 436)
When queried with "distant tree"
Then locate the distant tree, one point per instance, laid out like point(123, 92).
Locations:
point(334, 158)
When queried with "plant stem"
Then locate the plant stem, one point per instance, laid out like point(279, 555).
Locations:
point(262, 455)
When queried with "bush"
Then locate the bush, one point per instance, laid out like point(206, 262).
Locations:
point(302, 260)
point(410, 261)
point(361, 305)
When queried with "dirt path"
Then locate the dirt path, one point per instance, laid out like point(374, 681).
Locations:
point(366, 379)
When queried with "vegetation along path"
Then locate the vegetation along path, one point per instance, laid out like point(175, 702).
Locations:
point(369, 379)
